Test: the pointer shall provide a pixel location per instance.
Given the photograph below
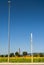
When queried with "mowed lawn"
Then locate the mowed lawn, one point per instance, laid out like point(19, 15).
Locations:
point(22, 59)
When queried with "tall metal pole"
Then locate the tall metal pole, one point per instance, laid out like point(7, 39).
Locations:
point(19, 50)
point(9, 30)
point(31, 50)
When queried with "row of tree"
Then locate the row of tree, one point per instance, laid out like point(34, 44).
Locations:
point(16, 54)
point(23, 54)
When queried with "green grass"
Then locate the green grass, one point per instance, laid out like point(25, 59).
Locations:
point(22, 60)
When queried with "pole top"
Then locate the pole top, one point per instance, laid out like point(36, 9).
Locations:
point(9, 1)
point(31, 34)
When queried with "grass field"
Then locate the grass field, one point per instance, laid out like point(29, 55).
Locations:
point(22, 59)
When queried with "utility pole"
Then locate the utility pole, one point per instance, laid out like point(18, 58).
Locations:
point(8, 29)
point(31, 50)
point(19, 50)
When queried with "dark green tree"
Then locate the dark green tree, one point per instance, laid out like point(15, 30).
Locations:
point(25, 53)
point(1, 55)
point(17, 54)
point(12, 55)
point(6, 55)
point(41, 54)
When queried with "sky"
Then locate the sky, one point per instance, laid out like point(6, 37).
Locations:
point(26, 16)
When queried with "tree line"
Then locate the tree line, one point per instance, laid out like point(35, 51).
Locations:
point(23, 54)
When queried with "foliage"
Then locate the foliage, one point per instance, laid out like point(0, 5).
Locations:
point(17, 54)
point(6, 55)
point(1, 55)
point(11, 54)
point(25, 53)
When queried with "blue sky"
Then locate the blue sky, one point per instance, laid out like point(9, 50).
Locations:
point(26, 16)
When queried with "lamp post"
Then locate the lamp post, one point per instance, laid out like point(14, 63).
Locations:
point(8, 29)
point(31, 50)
